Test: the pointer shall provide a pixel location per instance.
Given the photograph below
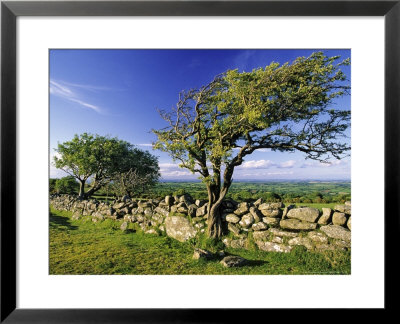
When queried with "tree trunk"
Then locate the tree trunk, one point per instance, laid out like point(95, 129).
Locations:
point(81, 189)
point(214, 229)
point(91, 191)
point(215, 198)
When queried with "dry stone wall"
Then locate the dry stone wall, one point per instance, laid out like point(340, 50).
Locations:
point(272, 227)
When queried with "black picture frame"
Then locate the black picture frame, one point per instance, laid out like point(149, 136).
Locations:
point(10, 10)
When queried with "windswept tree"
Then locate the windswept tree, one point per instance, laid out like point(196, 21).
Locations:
point(280, 107)
point(96, 158)
point(142, 173)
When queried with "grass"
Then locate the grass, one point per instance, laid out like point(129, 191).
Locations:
point(84, 247)
point(316, 205)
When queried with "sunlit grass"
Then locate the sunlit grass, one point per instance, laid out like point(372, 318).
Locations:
point(84, 247)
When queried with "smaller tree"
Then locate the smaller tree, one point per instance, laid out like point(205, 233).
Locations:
point(67, 185)
point(52, 185)
point(92, 156)
point(142, 173)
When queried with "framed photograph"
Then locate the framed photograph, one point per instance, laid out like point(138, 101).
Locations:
point(272, 176)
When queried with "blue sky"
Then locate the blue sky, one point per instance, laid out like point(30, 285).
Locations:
point(117, 93)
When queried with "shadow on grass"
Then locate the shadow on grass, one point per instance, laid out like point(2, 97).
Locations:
point(253, 263)
point(61, 222)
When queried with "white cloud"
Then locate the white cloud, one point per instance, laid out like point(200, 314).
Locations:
point(263, 174)
point(317, 164)
point(266, 164)
point(280, 173)
point(173, 170)
point(89, 87)
point(147, 145)
point(287, 164)
point(61, 90)
point(176, 174)
point(257, 164)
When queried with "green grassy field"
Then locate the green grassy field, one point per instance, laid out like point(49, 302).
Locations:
point(302, 192)
point(84, 247)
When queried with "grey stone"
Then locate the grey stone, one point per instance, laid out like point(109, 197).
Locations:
point(260, 226)
point(144, 204)
point(279, 232)
point(242, 210)
point(254, 211)
point(276, 205)
point(239, 244)
point(271, 212)
point(233, 261)
point(232, 218)
point(271, 221)
point(201, 211)
point(339, 219)
point(261, 235)
point(161, 211)
point(273, 247)
point(179, 228)
point(336, 232)
point(318, 237)
point(246, 221)
point(227, 242)
point(124, 226)
point(119, 205)
point(349, 223)
point(343, 209)
point(344, 245)
point(295, 224)
point(258, 202)
point(277, 239)
point(286, 210)
point(182, 209)
point(326, 216)
point(202, 254)
point(199, 202)
point(151, 231)
point(233, 229)
point(148, 212)
point(199, 225)
point(98, 215)
point(304, 241)
point(169, 201)
point(306, 214)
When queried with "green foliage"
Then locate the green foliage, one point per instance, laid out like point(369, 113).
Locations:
point(66, 185)
point(139, 173)
point(52, 185)
point(284, 108)
point(179, 192)
point(291, 192)
point(102, 159)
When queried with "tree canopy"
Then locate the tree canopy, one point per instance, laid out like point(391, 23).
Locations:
point(141, 173)
point(99, 159)
point(66, 185)
point(280, 107)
